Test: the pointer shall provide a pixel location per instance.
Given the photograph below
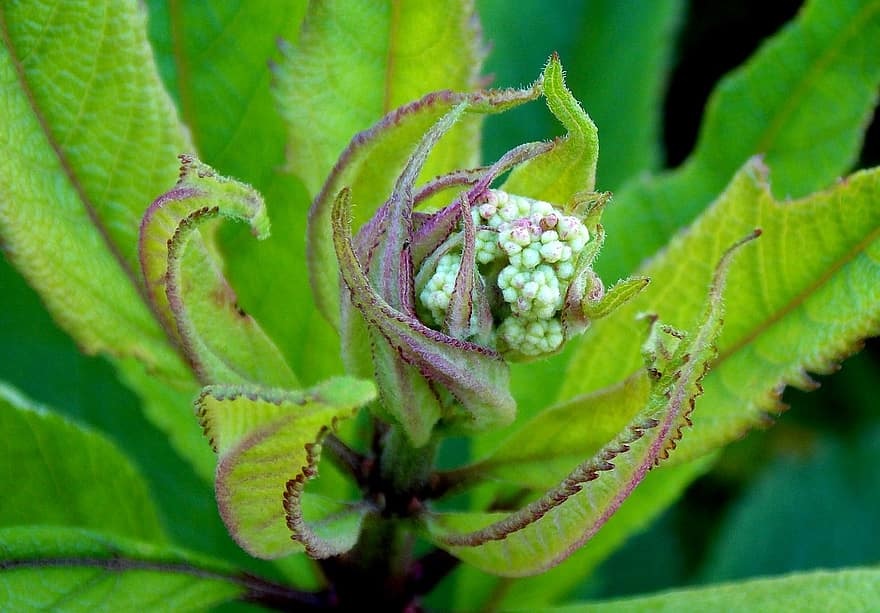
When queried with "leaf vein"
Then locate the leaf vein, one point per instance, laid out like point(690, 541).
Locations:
point(61, 156)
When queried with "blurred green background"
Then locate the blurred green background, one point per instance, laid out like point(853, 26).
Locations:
point(801, 495)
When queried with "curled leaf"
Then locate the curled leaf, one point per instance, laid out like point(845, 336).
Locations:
point(264, 438)
point(187, 289)
point(570, 166)
point(337, 526)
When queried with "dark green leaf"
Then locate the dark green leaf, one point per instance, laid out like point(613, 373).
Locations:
point(59, 473)
point(803, 513)
point(65, 569)
point(622, 91)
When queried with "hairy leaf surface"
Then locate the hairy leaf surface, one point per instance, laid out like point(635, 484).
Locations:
point(378, 149)
point(543, 450)
point(659, 489)
point(222, 343)
point(570, 166)
point(548, 530)
point(222, 54)
point(411, 358)
point(79, 97)
point(81, 93)
point(266, 438)
point(805, 295)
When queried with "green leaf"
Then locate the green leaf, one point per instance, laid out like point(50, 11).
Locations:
point(324, 526)
point(355, 63)
point(214, 60)
point(66, 569)
point(622, 90)
point(801, 299)
point(267, 440)
point(570, 166)
point(220, 53)
point(831, 494)
point(89, 138)
point(223, 343)
point(791, 309)
point(47, 463)
point(803, 101)
point(169, 409)
point(548, 530)
point(848, 590)
point(81, 97)
point(542, 451)
point(660, 489)
point(86, 389)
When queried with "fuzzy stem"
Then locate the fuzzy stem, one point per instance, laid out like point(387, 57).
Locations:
point(405, 469)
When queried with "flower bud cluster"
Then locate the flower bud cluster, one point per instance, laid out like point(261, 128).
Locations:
point(437, 292)
point(529, 250)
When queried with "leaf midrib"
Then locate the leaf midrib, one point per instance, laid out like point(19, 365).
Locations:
point(253, 587)
point(798, 300)
point(804, 84)
point(121, 565)
point(62, 158)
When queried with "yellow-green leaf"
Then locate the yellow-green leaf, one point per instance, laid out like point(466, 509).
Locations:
point(81, 96)
point(188, 291)
point(800, 299)
point(549, 529)
point(266, 438)
point(570, 166)
point(355, 62)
